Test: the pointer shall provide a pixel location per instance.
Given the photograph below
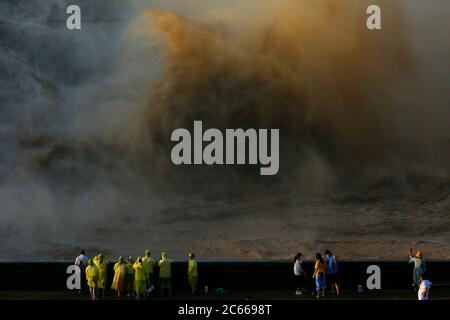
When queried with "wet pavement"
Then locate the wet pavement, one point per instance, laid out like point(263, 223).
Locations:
point(438, 293)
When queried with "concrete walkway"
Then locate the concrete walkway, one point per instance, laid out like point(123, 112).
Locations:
point(438, 293)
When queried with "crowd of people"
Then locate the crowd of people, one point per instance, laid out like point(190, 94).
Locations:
point(325, 269)
point(136, 278)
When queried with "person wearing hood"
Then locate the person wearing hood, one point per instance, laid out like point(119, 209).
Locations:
point(129, 276)
point(120, 270)
point(165, 273)
point(140, 279)
point(92, 278)
point(102, 264)
point(149, 264)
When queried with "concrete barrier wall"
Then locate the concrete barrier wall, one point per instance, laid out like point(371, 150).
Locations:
point(228, 275)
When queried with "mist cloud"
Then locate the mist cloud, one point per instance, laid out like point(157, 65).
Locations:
point(86, 117)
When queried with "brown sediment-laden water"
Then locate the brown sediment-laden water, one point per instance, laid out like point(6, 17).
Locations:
point(86, 119)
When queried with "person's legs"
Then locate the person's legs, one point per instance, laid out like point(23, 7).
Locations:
point(162, 285)
point(322, 285)
point(305, 284)
point(150, 285)
point(193, 283)
point(140, 289)
point(338, 287)
point(416, 279)
point(131, 286)
point(165, 284)
point(82, 283)
point(141, 293)
point(300, 284)
point(147, 284)
point(330, 281)
point(318, 287)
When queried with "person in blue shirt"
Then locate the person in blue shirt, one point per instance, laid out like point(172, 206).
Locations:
point(333, 274)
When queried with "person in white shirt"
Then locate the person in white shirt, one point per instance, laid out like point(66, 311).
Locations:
point(299, 273)
point(424, 288)
point(81, 262)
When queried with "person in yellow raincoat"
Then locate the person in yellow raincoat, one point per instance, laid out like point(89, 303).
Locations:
point(140, 278)
point(92, 278)
point(192, 273)
point(120, 270)
point(129, 276)
point(149, 264)
point(102, 264)
point(165, 273)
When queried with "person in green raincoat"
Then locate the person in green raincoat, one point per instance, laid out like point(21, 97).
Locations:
point(149, 264)
point(129, 276)
point(102, 264)
point(165, 273)
point(92, 278)
point(120, 270)
point(192, 273)
point(140, 278)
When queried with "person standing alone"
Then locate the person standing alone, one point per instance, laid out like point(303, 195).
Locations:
point(192, 273)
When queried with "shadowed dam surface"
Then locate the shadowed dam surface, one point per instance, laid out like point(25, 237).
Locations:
point(86, 119)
